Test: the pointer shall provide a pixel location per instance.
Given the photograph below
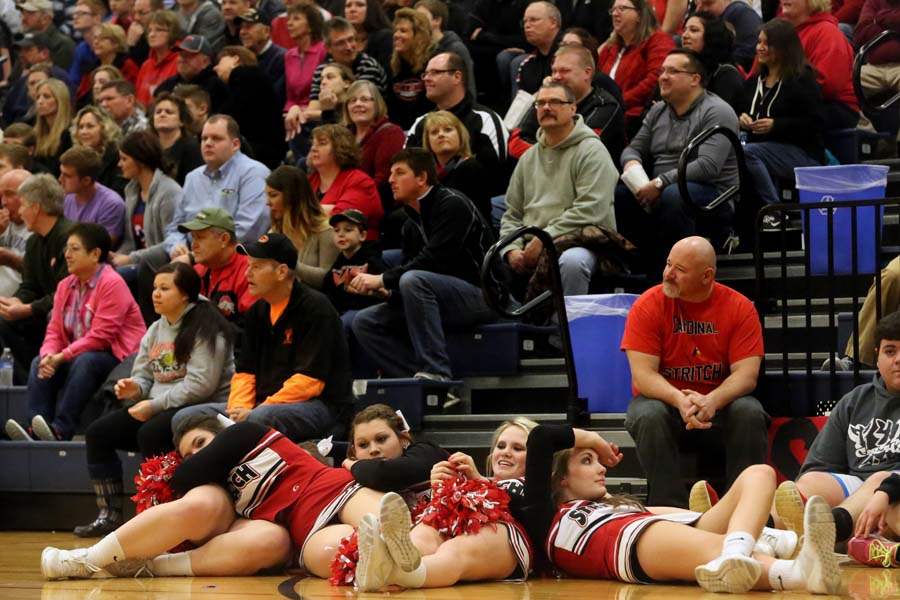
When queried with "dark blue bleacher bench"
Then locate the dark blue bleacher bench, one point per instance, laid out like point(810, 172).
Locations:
point(58, 467)
point(415, 397)
point(489, 350)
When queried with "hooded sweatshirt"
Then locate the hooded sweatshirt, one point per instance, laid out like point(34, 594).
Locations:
point(206, 377)
point(562, 188)
point(829, 52)
point(862, 435)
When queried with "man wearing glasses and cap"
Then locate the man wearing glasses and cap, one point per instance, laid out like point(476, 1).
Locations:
point(256, 35)
point(37, 17)
point(293, 372)
point(195, 56)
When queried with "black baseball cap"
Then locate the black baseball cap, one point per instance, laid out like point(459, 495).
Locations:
point(32, 40)
point(196, 44)
point(273, 246)
point(352, 215)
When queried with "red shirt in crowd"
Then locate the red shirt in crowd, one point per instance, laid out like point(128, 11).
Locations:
point(352, 188)
point(638, 69)
point(696, 342)
point(154, 71)
point(831, 55)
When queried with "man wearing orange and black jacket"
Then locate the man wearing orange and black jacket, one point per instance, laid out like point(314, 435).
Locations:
point(293, 372)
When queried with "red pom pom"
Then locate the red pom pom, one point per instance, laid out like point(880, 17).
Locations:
point(152, 481)
point(459, 506)
point(343, 565)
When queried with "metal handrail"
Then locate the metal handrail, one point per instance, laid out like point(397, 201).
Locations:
point(494, 295)
point(733, 191)
point(858, 63)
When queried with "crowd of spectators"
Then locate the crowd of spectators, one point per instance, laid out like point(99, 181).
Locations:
point(336, 172)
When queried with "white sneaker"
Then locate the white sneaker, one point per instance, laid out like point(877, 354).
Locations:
point(375, 564)
point(395, 527)
point(16, 432)
point(62, 564)
point(789, 506)
point(816, 559)
point(42, 429)
point(130, 567)
point(733, 574)
point(777, 543)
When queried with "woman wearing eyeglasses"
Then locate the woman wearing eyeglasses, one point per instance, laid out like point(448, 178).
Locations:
point(633, 56)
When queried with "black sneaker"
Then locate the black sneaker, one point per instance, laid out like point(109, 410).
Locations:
point(101, 526)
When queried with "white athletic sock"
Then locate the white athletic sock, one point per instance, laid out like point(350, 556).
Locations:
point(784, 575)
point(177, 564)
point(106, 551)
point(408, 579)
point(738, 543)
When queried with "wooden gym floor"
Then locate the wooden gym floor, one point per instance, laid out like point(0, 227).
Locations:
point(20, 579)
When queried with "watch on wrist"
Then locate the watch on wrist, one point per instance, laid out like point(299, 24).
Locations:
point(657, 183)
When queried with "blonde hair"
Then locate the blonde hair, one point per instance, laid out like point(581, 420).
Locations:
point(442, 118)
point(112, 32)
point(421, 42)
point(523, 423)
point(647, 25)
point(110, 131)
point(49, 133)
point(819, 6)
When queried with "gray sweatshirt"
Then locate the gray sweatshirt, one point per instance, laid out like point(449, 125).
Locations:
point(663, 136)
point(862, 435)
point(165, 194)
point(562, 188)
point(166, 384)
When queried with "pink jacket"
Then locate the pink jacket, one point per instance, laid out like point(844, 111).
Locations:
point(116, 324)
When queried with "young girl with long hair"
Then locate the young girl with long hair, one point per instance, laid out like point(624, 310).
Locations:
point(185, 357)
point(297, 213)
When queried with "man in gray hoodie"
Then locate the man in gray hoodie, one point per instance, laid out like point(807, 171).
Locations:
point(859, 447)
point(562, 184)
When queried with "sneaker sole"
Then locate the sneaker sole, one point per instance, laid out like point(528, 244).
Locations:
point(42, 430)
point(789, 506)
point(367, 578)
point(45, 558)
point(395, 527)
point(16, 432)
point(699, 500)
point(734, 575)
point(820, 534)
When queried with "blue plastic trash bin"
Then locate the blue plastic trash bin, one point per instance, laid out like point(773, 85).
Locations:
point(596, 325)
point(846, 182)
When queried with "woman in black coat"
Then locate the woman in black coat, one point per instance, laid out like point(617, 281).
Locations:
point(780, 111)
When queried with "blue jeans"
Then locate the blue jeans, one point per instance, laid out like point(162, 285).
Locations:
point(769, 161)
point(74, 382)
point(409, 337)
point(670, 220)
point(576, 267)
point(300, 421)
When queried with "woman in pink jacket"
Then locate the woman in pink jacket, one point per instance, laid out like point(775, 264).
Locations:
point(95, 323)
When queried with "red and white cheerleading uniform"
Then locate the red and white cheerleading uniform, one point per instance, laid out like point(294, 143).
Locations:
point(270, 478)
point(598, 541)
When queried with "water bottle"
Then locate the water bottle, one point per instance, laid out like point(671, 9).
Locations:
point(6, 368)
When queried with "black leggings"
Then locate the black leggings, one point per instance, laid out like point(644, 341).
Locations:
point(118, 430)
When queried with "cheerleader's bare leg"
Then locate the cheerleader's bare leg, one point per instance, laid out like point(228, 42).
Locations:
point(746, 505)
point(248, 547)
point(484, 556)
point(320, 547)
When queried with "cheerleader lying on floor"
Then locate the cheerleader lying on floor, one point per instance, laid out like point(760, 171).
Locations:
point(468, 531)
point(283, 494)
point(587, 533)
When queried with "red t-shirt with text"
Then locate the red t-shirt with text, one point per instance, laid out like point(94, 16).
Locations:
point(696, 342)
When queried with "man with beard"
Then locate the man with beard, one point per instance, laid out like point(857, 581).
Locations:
point(694, 347)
